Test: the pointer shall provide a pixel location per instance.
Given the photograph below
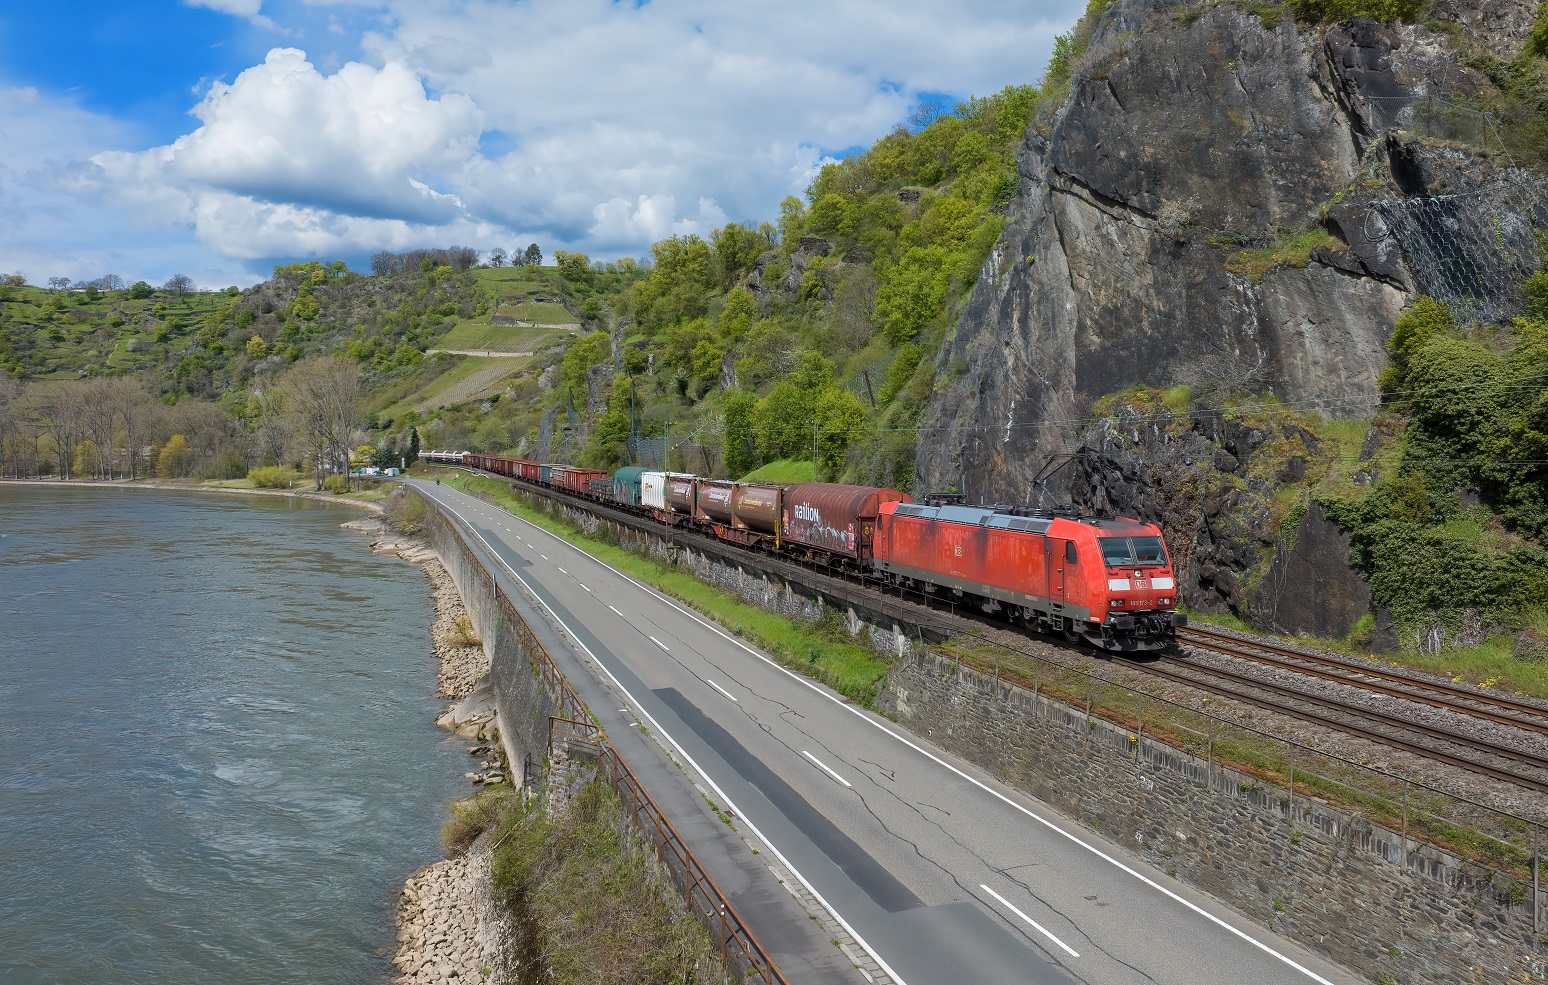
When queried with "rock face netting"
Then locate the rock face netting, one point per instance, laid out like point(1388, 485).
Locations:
point(1470, 249)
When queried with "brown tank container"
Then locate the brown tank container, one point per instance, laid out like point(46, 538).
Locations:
point(757, 507)
point(834, 518)
point(679, 494)
point(714, 501)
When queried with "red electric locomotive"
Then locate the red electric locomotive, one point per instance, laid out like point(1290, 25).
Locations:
point(1101, 579)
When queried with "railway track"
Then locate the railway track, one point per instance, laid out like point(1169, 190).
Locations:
point(1477, 755)
point(1499, 709)
point(1482, 756)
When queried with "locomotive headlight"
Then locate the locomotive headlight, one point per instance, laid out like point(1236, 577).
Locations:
point(1115, 603)
point(1166, 601)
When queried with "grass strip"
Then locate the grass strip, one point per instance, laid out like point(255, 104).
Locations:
point(592, 900)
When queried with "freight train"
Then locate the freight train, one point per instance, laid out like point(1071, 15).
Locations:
point(1105, 580)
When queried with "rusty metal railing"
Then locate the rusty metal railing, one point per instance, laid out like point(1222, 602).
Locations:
point(739, 946)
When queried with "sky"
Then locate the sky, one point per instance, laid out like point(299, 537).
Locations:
point(216, 138)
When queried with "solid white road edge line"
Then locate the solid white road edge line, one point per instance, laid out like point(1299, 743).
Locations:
point(697, 768)
point(720, 689)
point(843, 703)
point(1037, 926)
point(826, 770)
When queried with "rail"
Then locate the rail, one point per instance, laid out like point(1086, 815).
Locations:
point(700, 893)
point(1407, 686)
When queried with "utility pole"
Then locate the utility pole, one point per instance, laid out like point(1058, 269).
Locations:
point(814, 452)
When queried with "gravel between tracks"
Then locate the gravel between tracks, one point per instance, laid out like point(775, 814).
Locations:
point(1452, 780)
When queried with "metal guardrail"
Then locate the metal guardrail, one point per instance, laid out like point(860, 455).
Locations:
point(700, 893)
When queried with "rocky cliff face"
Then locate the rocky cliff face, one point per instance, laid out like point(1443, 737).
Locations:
point(1193, 136)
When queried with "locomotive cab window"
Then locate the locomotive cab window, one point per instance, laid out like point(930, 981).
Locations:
point(1069, 552)
point(1125, 552)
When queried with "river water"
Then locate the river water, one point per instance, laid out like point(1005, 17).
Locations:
point(218, 760)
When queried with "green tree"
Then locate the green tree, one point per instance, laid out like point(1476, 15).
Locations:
point(573, 267)
point(175, 458)
point(140, 290)
point(586, 352)
point(741, 451)
point(1426, 319)
point(830, 216)
point(608, 443)
point(912, 293)
point(257, 347)
point(86, 457)
point(736, 316)
point(841, 423)
point(736, 248)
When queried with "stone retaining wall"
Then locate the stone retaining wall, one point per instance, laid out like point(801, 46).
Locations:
point(520, 696)
point(1323, 876)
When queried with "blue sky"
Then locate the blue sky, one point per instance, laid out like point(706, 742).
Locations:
point(219, 137)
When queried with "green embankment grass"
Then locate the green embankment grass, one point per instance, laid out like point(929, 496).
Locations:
point(541, 312)
point(482, 336)
point(591, 903)
point(781, 470)
point(821, 652)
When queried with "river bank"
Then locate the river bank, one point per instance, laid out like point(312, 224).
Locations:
point(323, 497)
point(449, 930)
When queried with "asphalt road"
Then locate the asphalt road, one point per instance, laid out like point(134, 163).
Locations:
point(936, 870)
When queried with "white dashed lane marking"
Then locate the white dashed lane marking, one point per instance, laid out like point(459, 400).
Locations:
point(825, 768)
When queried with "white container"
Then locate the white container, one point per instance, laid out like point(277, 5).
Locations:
point(653, 490)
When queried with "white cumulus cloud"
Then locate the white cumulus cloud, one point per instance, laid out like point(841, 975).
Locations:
point(363, 142)
point(248, 9)
point(583, 124)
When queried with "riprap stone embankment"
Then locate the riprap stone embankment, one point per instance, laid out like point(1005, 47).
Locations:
point(449, 931)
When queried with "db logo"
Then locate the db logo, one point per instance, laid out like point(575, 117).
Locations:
point(958, 549)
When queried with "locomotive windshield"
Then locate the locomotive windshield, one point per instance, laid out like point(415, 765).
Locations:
point(1129, 552)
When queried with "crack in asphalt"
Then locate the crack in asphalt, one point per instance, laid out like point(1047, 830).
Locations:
point(889, 774)
point(1090, 942)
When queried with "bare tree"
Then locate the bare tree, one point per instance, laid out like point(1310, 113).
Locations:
point(207, 429)
point(58, 283)
point(98, 417)
point(135, 410)
point(322, 398)
point(462, 258)
point(110, 282)
point(178, 285)
point(62, 422)
point(268, 423)
point(497, 257)
point(10, 420)
point(384, 263)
